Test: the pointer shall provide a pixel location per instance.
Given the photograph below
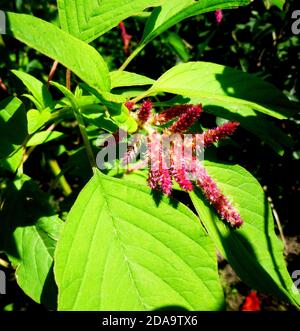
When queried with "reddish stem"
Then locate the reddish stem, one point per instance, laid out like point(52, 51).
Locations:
point(52, 72)
point(3, 86)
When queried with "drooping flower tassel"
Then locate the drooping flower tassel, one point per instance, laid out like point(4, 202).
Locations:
point(178, 170)
point(170, 113)
point(159, 174)
point(144, 112)
point(180, 176)
point(186, 120)
point(213, 135)
point(217, 199)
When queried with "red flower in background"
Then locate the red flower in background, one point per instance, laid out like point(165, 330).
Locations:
point(219, 15)
point(252, 302)
point(125, 38)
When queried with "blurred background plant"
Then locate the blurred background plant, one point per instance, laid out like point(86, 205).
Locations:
point(256, 39)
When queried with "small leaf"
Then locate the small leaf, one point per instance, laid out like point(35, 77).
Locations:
point(67, 93)
point(43, 137)
point(253, 250)
point(13, 162)
point(36, 119)
point(123, 250)
point(13, 126)
point(278, 3)
point(37, 88)
point(8, 107)
point(125, 78)
point(178, 45)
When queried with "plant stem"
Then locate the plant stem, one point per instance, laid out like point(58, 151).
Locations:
point(61, 178)
point(85, 138)
point(68, 79)
point(52, 72)
point(81, 125)
point(4, 264)
point(131, 57)
point(140, 97)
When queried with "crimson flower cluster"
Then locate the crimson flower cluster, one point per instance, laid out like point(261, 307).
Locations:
point(178, 160)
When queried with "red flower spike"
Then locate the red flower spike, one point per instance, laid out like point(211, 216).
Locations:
point(216, 198)
point(170, 113)
point(166, 181)
point(159, 175)
point(154, 177)
point(144, 112)
point(219, 16)
point(213, 135)
point(252, 302)
point(129, 105)
point(186, 120)
point(180, 175)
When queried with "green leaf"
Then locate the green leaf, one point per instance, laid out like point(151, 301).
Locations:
point(43, 137)
point(178, 45)
point(254, 251)
point(215, 84)
point(28, 234)
point(8, 107)
point(13, 126)
point(89, 19)
point(123, 250)
point(37, 88)
point(13, 162)
point(73, 53)
point(116, 108)
point(36, 119)
point(172, 12)
point(67, 93)
point(255, 122)
point(278, 3)
point(125, 78)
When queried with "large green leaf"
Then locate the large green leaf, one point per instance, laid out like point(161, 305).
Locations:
point(73, 53)
point(28, 235)
point(255, 123)
point(122, 249)
point(251, 120)
point(217, 84)
point(89, 19)
point(254, 251)
point(172, 12)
